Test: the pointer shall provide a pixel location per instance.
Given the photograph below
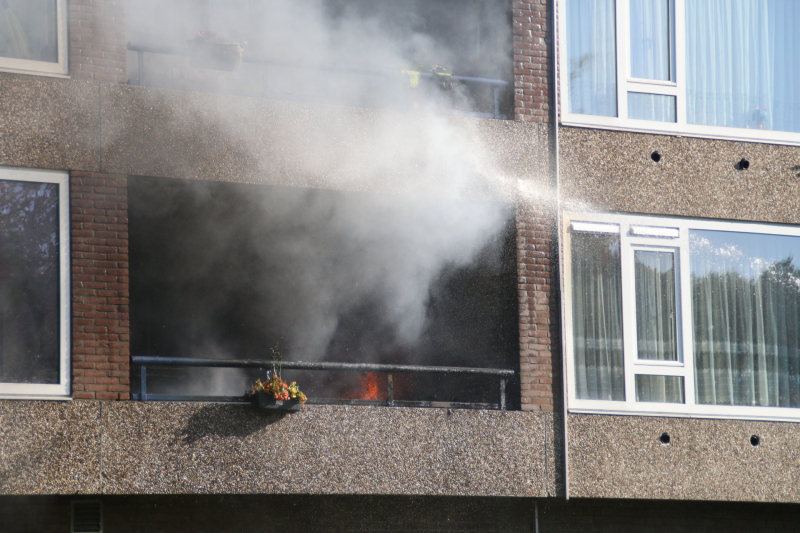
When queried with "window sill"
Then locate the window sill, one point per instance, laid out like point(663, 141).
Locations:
point(681, 130)
point(10, 397)
point(34, 73)
point(731, 412)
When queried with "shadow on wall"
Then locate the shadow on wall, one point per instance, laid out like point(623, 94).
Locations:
point(227, 422)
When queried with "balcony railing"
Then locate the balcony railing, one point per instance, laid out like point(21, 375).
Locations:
point(493, 85)
point(145, 361)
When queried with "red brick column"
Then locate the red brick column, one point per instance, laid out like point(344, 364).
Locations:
point(100, 327)
point(532, 59)
point(537, 268)
point(97, 45)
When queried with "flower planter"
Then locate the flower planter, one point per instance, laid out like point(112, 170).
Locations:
point(262, 400)
point(215, 56)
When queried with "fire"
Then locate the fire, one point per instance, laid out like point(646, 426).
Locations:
point(369, 386)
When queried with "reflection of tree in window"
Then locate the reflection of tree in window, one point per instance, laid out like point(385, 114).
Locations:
point(28, 30)
point(29, 282)
point(746, 340)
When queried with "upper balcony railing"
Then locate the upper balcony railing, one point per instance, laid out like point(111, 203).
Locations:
point(487, 105)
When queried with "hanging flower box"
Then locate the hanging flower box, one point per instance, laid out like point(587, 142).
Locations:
point(209, 52)
point(263, 400)
point(274, 393)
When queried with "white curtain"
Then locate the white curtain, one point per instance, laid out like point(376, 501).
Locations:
point(746, 314)
point(591, 56)
point(651, 39)
point(742, 67)
point(597, 317)
point(656, 316)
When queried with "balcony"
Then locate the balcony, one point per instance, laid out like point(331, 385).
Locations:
point(448, 56)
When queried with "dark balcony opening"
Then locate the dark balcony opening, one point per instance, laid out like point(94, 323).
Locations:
point(396, 54)
point(227, 271)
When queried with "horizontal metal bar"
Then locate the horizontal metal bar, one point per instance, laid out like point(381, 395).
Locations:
point(269, 61)
point(240, 400)
point(190, 398)
point(156, 49)
point(153, 360)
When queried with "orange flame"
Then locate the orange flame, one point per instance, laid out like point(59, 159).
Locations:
point(369, 386)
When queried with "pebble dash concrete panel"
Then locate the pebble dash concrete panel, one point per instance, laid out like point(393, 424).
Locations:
point(623, 457)
point(49, 447)
point(174, 448)
point(181, 134)
point(613, 171)
point(49, 123)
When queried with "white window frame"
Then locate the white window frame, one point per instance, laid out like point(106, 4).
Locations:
point(61, 390)
point(626, 83)
point(629, 241)
point(45, 68)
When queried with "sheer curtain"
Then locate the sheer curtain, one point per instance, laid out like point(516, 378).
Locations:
point(597, 316)
point(656, 323)
point(591, 57)
point(741, 63)
point(746, 314)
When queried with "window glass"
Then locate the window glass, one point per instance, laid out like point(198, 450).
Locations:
point(652, 39)
point(656, 310)
point(591, 52)
point(741, 63)
point(658, 107)
point(746, 311)
point(28, 30)
point(597, 316)
point(29, 282)
point(662, 389)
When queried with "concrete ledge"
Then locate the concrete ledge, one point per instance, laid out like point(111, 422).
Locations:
point(622, 457)
point(191, 448)
point(131, 130)
point(612, 171)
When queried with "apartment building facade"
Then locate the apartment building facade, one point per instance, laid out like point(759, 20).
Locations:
point(646, 154)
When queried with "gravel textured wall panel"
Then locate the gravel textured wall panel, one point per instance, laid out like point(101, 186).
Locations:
point(176, 448)
point(624, 457)
point(93, 447)
point(614, 171)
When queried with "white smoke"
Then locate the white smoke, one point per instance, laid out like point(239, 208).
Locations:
point(389, 247)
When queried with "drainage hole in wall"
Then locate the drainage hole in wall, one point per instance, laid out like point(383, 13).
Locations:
point(744, 164)
point(655, 156)
point(664, 438)
point(755, 440)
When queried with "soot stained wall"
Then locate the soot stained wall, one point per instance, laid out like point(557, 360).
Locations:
point(216, 271)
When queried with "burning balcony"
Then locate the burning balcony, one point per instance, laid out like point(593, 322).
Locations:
point(374, 299)
point(449, 55)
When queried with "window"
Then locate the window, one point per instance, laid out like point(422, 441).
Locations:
point(34, 287)
point(709, 68)
point(33, 36)
point(686, 317)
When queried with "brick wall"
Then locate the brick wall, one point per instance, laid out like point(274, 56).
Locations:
point(100, 328)
point(97, 40)
point(537, 268)
point(532, 59)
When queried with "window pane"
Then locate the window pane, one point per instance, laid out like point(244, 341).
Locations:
point(656, 312)
point(652, 32)
point(746, 314)
point(597, 316)
point(29, 282)
point(741, 63)
point(658, 107)
point(591, 57)
point(28, 30)
point(663, 389)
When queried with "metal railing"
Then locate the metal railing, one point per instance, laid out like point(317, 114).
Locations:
point(145, 361)
point(140, 48)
